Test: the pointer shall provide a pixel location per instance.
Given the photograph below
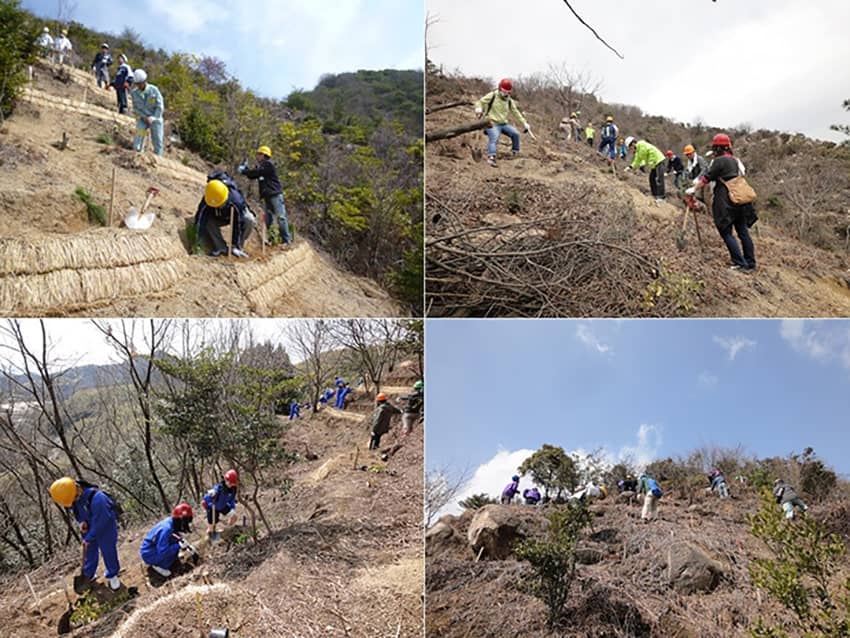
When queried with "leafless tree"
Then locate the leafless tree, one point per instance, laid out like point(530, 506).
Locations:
point(140, 368)
point(65, 10)
point(441, 487)
point(311, 339)
point(572, 86)
point(373, 344)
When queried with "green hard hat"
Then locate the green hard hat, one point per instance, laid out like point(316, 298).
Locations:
point(418, 385)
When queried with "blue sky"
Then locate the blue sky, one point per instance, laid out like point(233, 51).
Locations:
point(498, 389)
point(272, 46)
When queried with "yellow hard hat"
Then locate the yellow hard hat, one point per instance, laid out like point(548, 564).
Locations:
point(216, 193)
point(64, 31)
point(604, 491)
point(610, 118)
point(64, 491)
point(265, 150)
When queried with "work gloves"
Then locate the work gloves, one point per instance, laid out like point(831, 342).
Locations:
point(241, 169)
point(479, 112)
point(628, 168)
point(691, 190)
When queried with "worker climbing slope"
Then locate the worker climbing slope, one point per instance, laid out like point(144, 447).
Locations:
point(496, 107)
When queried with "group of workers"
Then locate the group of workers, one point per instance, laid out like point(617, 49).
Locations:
point(55, 49)
point(97, 514)
point(223, 204)
point(410, 413)
point(645, 485)
point(708, 180)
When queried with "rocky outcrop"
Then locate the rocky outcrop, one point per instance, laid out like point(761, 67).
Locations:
point(495, 529)
point(690, 569)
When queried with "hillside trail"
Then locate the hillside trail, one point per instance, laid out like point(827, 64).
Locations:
point(54, 263)
point(345, 559)
point(627, 583)
point(793, 278)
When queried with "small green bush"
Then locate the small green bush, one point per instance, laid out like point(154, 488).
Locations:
point(554, 559)
point(104, 138)
point(96, 212)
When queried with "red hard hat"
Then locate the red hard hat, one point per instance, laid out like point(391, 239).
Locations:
point(231, 477)
point(506, 85)
point(721, 139)
point(182, 510)
point(381, 397)
point(669, 153)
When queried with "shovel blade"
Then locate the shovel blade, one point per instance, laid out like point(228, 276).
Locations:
point(64, 625)
point(134, 221)
point(81, 584)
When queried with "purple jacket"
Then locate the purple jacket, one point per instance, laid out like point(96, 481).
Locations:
point(511, 489)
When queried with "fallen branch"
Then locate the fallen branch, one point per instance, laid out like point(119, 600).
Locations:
point(445, 134)
point(443, 107)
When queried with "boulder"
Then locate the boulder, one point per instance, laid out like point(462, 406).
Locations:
point(690, 569)
point(496, 528)
point(588, 556)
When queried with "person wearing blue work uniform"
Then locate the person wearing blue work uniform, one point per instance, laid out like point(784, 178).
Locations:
point(511, 490)
point(95, 512)
point(221, 500)
point(160, 549)
point(609, 139)
point(221, 202)
point(148, 107)
point(341, 396)
point(271, 191)
point(121, 82)
point(294, 410)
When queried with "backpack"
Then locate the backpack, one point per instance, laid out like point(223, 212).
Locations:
point(740, 192)
point(653, 487)
point(117, 508)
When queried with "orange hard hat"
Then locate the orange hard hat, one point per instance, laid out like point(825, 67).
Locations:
point(381, 397)
point(689, 149)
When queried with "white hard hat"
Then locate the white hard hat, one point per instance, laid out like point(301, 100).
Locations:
point(139, 75)
point(629, 141)
point(46, 30)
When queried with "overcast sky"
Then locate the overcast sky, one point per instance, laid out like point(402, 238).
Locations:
point(776, 64)
point(639, 389)
point(77, 341)
point(272, 46)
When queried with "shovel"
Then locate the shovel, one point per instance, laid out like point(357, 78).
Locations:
point(681, 241)
point(81, 581)
point(64, 624)
point(141, 220)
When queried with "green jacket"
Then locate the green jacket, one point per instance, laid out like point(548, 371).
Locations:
point(589, 132)
point(647, 155)
point(500, 109)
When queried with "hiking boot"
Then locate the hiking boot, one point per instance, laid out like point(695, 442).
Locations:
point(114, 583)
point(238, 252)
point(491, 160)
point(218, 252)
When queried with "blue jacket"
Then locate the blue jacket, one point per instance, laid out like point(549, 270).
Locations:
point(294, 411)
point(609, 131)
point(716, 481)
point(96, 508)
point(221, 497)
point(161, 546)
point(222, 214)
point(511, 489)
point(148, 103)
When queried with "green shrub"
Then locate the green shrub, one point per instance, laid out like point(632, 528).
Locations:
point(816, 480)
point(96, 212)
point(104, 138)
point(17, 50)
point(476, 501)
point(800, 574)
point(553, 559)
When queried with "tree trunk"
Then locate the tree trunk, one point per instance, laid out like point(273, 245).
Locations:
point(445, 134)
point(443, 107)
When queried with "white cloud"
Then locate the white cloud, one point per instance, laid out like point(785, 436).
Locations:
point(492, 476)
point(706, 379)
point(187, 16)
point(734, 345)
point(821, 341)
point(645, 449)
point(588, 338)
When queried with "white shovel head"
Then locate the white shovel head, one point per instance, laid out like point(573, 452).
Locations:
point(134, 221)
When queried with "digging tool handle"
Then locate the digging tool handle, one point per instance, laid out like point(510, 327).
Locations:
point(147, 203)
point(112, 195)
point(696, 225)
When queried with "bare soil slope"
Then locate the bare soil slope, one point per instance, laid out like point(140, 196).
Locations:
point(623, 586)
point(54, 262)
point(554, 232)
point(347, 559)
